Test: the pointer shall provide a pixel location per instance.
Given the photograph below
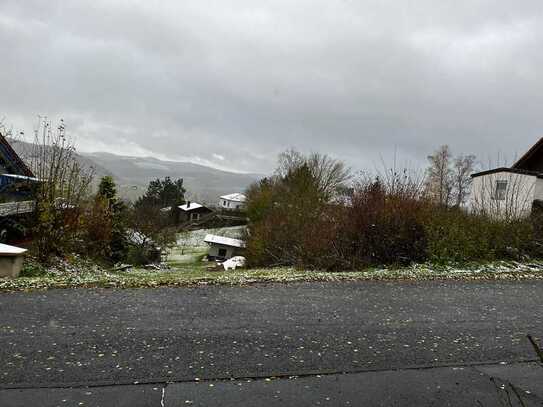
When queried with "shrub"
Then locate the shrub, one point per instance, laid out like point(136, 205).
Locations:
point(385, 226)
point(63, 187)
point(458, 236)
point(32, 268)
point(387, 220)
point(139, 256)
point(96, 225)
point(103, 225)
point(290, 223)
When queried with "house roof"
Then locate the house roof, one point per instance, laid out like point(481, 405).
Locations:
point(530, 163)
point(509, 170)
point(525, 161)
point(190, 206)
point(11, 160)
point(236, 197)
point(225, 241)
point(21, 177)
point(7, 250)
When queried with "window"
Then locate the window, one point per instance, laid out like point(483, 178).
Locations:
point(500, 191)
point(222, 252)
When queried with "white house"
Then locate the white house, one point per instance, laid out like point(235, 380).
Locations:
point(222, 248)
point(510, 192)
point(232, 201)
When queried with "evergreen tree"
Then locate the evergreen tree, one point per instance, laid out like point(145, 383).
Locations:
point(114, 218)
point(163, 193)
point(107, 189)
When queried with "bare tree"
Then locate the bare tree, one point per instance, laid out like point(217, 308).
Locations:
point(330, 175)
point(64, 184)
point(461, 179)
point(440, 178)
point(287, 161)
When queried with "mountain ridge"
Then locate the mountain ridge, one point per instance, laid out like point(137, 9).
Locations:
point(133, 174)
point(202, 182)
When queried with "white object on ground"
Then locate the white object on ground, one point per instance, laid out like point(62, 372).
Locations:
point(11, 260)
point(234, 262)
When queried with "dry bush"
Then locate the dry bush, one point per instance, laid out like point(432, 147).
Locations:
point(297, 217)
point(97, 229)
point(63, 188)
point(385, 222)
point(388, 220)
point(291, 217)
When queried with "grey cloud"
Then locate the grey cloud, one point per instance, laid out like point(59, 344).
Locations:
point(245, 80)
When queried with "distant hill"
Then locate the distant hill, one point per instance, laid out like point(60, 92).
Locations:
point(24, 150)
point(203, 183)
point(132, 174)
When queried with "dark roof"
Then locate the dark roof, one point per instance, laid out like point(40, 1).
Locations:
point(11, 161)
point(526, 162)
point(530, 163)
point(510, 170)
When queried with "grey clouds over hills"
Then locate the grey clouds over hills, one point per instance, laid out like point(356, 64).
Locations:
point(132, 174)
point(203, 183)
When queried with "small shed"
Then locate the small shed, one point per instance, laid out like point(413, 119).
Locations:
point(11, 260)
point(192, 211)
point(223, 248)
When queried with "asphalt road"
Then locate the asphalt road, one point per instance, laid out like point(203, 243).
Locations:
point(438, 387)
point(63, 338)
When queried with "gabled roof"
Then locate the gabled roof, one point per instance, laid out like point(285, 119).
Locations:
point(225, 241)
point(530, 163)
point(509, 170)
point(190, 206)
point(11, 161)
point(525, 162)
point(237, 197)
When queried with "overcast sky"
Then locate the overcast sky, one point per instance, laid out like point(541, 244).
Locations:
point(233, 83)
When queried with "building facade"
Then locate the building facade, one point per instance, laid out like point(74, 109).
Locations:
point(191, 211)
point(510, 192)
point(223, 248)
point(232, 202)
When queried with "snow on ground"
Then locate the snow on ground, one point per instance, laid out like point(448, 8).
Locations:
point(496, 267)
point(191, 246)
point(195, 238)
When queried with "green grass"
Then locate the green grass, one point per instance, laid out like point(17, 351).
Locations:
point(199, 275)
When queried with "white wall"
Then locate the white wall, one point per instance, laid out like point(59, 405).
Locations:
point(232, 205)
point(519, 195)
point(214, 251)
